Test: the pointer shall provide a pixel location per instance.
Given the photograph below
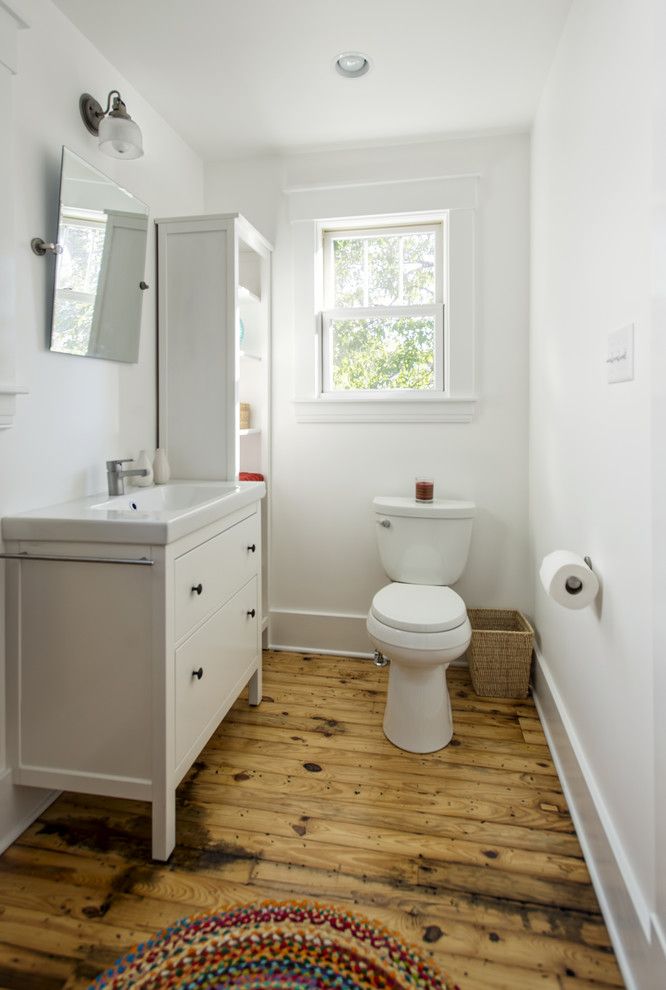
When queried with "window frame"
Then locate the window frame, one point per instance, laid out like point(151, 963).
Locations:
point(350, 229)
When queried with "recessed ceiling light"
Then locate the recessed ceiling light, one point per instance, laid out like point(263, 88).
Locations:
point(352, 64)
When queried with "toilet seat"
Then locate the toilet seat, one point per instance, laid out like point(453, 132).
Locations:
point(419, 608)
point(424, 643)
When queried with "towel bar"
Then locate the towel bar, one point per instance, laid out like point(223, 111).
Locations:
point(78, 560)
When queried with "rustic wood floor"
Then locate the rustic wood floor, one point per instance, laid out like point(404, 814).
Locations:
point(469, 853)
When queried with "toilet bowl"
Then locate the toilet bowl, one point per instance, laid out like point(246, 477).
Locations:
point(418, 621)
point(421, 629)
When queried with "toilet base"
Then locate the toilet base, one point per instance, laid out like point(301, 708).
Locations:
point(417, 717)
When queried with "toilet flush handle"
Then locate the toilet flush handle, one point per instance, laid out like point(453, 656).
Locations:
point(384, 522)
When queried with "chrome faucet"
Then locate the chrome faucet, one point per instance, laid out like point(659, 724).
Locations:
point(115, 475)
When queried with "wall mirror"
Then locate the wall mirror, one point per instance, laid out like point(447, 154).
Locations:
point(102, 231)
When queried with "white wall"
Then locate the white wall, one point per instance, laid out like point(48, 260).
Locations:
point(79, 411)
point(659, 461)
point(324, 476)
point(590, 455)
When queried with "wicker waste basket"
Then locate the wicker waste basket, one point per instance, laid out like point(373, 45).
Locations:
point(500, 654)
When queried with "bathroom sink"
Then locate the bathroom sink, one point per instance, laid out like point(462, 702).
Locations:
point(157, 515)
point(167, 497)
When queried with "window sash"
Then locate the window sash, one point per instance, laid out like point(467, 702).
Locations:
point(367, 233)
point(329, 316)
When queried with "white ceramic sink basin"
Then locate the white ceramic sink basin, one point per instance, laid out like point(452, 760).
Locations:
point(144, 515)
point(168, 497)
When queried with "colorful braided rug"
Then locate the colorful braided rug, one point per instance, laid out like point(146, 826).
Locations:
point(274, 946)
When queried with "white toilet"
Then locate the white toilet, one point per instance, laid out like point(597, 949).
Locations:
point(418, 622)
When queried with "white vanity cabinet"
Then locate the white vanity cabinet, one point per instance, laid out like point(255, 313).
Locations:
point(124, 657)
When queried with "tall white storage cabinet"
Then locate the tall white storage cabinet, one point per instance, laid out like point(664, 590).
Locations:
point(214, 307)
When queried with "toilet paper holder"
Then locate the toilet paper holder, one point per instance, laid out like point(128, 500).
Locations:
point(573, 584)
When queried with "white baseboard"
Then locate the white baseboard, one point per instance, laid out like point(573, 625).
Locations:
point(625, 909)
point(334, 633)
point(19, 807)
point(316, 651)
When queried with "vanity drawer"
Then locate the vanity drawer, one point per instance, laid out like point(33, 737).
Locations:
point(221, 651)
point(208, 576)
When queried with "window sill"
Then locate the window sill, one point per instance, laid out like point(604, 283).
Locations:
point(8, 395)
point(374, 409)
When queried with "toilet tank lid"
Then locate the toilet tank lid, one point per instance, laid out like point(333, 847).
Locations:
point(439, 508)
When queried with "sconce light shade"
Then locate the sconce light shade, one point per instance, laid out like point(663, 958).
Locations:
point(119, 136)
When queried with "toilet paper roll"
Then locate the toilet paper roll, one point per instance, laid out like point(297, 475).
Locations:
point(568, 580)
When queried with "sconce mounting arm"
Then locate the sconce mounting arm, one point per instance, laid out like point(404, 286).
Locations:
point(92, 113)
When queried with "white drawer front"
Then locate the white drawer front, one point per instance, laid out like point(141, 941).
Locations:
point(221, 652)
point(209, 575)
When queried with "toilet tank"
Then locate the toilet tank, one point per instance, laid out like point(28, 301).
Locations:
point(423, 542)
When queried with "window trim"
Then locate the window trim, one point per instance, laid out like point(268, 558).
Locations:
point(308, 208)
point(349, 230)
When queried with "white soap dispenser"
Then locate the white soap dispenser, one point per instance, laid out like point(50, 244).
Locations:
point(143, 461)
point(161, 469)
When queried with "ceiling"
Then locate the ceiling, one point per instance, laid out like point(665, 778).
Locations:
point(246, 77)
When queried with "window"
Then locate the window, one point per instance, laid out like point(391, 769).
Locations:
point(383, 309)
point(82, 238)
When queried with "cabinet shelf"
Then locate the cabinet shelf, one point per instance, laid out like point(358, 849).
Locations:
point(250, 356)
point(245, 296)
point(248, 433)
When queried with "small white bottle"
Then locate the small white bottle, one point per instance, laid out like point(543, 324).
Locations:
point(143, 461)
point(161, 469)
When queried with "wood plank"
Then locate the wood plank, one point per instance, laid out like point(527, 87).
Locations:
point(245, 751)
point(380, 838)
point(368, 725)
point(420, 820)
point(356, 709)
point(31, 969)
point(500, 915)
point(356, 852)
point(372, 806)
point(389, 865)
point(340, 739)
point(523, 809)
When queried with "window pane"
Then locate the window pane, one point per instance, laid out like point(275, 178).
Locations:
point(73, 319)
point(383, 271)
point(418, 269)
point(82, 256)
point(386, 353)
point(349, 267)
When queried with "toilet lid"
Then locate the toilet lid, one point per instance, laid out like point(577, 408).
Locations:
point(419, 607)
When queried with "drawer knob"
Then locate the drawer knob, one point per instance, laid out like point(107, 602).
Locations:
point(198, 673)
point(252, 613)
point(198, 588)
point(253, 548)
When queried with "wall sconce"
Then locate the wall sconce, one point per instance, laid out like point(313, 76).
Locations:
point(119, 136)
